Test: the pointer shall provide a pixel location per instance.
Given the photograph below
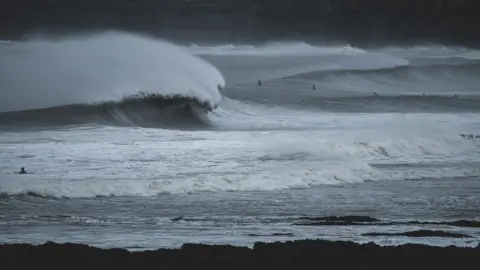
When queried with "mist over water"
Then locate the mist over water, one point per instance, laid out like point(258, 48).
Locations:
point(102, 67)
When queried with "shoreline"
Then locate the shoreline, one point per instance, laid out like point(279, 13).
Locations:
point(299, 254)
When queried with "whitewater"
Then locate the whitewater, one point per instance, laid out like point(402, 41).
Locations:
point(139, 143)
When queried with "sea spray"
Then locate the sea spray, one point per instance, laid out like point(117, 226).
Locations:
point(107, 66)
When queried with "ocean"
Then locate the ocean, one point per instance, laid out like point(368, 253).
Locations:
point(142, 143)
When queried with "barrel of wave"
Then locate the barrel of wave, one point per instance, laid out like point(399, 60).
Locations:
point(107, 66)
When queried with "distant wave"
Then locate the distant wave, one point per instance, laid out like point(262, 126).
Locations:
point(243, 63)
point(464, 66)
point(145, 110)
point(401, 104)
point(433, 77)
point(346, 78)
point(363, 102)
point(433, 51)
point(273, 49)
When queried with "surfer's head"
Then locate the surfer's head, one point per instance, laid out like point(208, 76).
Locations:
point(219, 87)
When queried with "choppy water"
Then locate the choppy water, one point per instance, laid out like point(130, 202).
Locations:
point(312, 140)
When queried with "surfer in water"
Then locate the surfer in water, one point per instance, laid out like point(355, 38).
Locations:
point(22, 171)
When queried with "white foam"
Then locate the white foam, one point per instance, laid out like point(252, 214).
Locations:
point(333, 172)
point(379, 149)
point(145, 162)
point(434, 51)
point(274, 49)
point(107, 66)
point(244, 180)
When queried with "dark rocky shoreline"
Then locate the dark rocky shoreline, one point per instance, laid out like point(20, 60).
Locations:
point(368, 221)
point(302, 254)
point(353, 21)
point(299, 254)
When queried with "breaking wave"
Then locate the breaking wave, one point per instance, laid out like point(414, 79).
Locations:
point(274, 49)
point(97, 80)
point(138, 110)
point(261, 181)
point(37, 73)
point(318, 164)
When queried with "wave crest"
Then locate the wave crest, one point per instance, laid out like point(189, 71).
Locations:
point(141, 109)
point(39, 73)
point(274, 49)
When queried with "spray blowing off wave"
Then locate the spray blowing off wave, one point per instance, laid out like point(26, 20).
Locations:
point(104, 67)
point(274, 49)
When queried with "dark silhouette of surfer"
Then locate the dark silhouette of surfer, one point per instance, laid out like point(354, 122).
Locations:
point(22, 171)
point(469, 136)
point(177, 218)
point(313, 87)
point(259, 83)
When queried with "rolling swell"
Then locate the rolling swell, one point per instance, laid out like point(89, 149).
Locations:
point(441, 68)
point(426, 84)
point(472, 67)
point(156, 111)
point(400, 104)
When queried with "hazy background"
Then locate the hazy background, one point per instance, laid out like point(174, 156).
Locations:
point(358, 22)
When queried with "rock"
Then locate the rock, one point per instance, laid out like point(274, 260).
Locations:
point(298, 255)
point(465, 223)
point(273, 234)
point(422, 233)
point(368, 221)
point(342, 219)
